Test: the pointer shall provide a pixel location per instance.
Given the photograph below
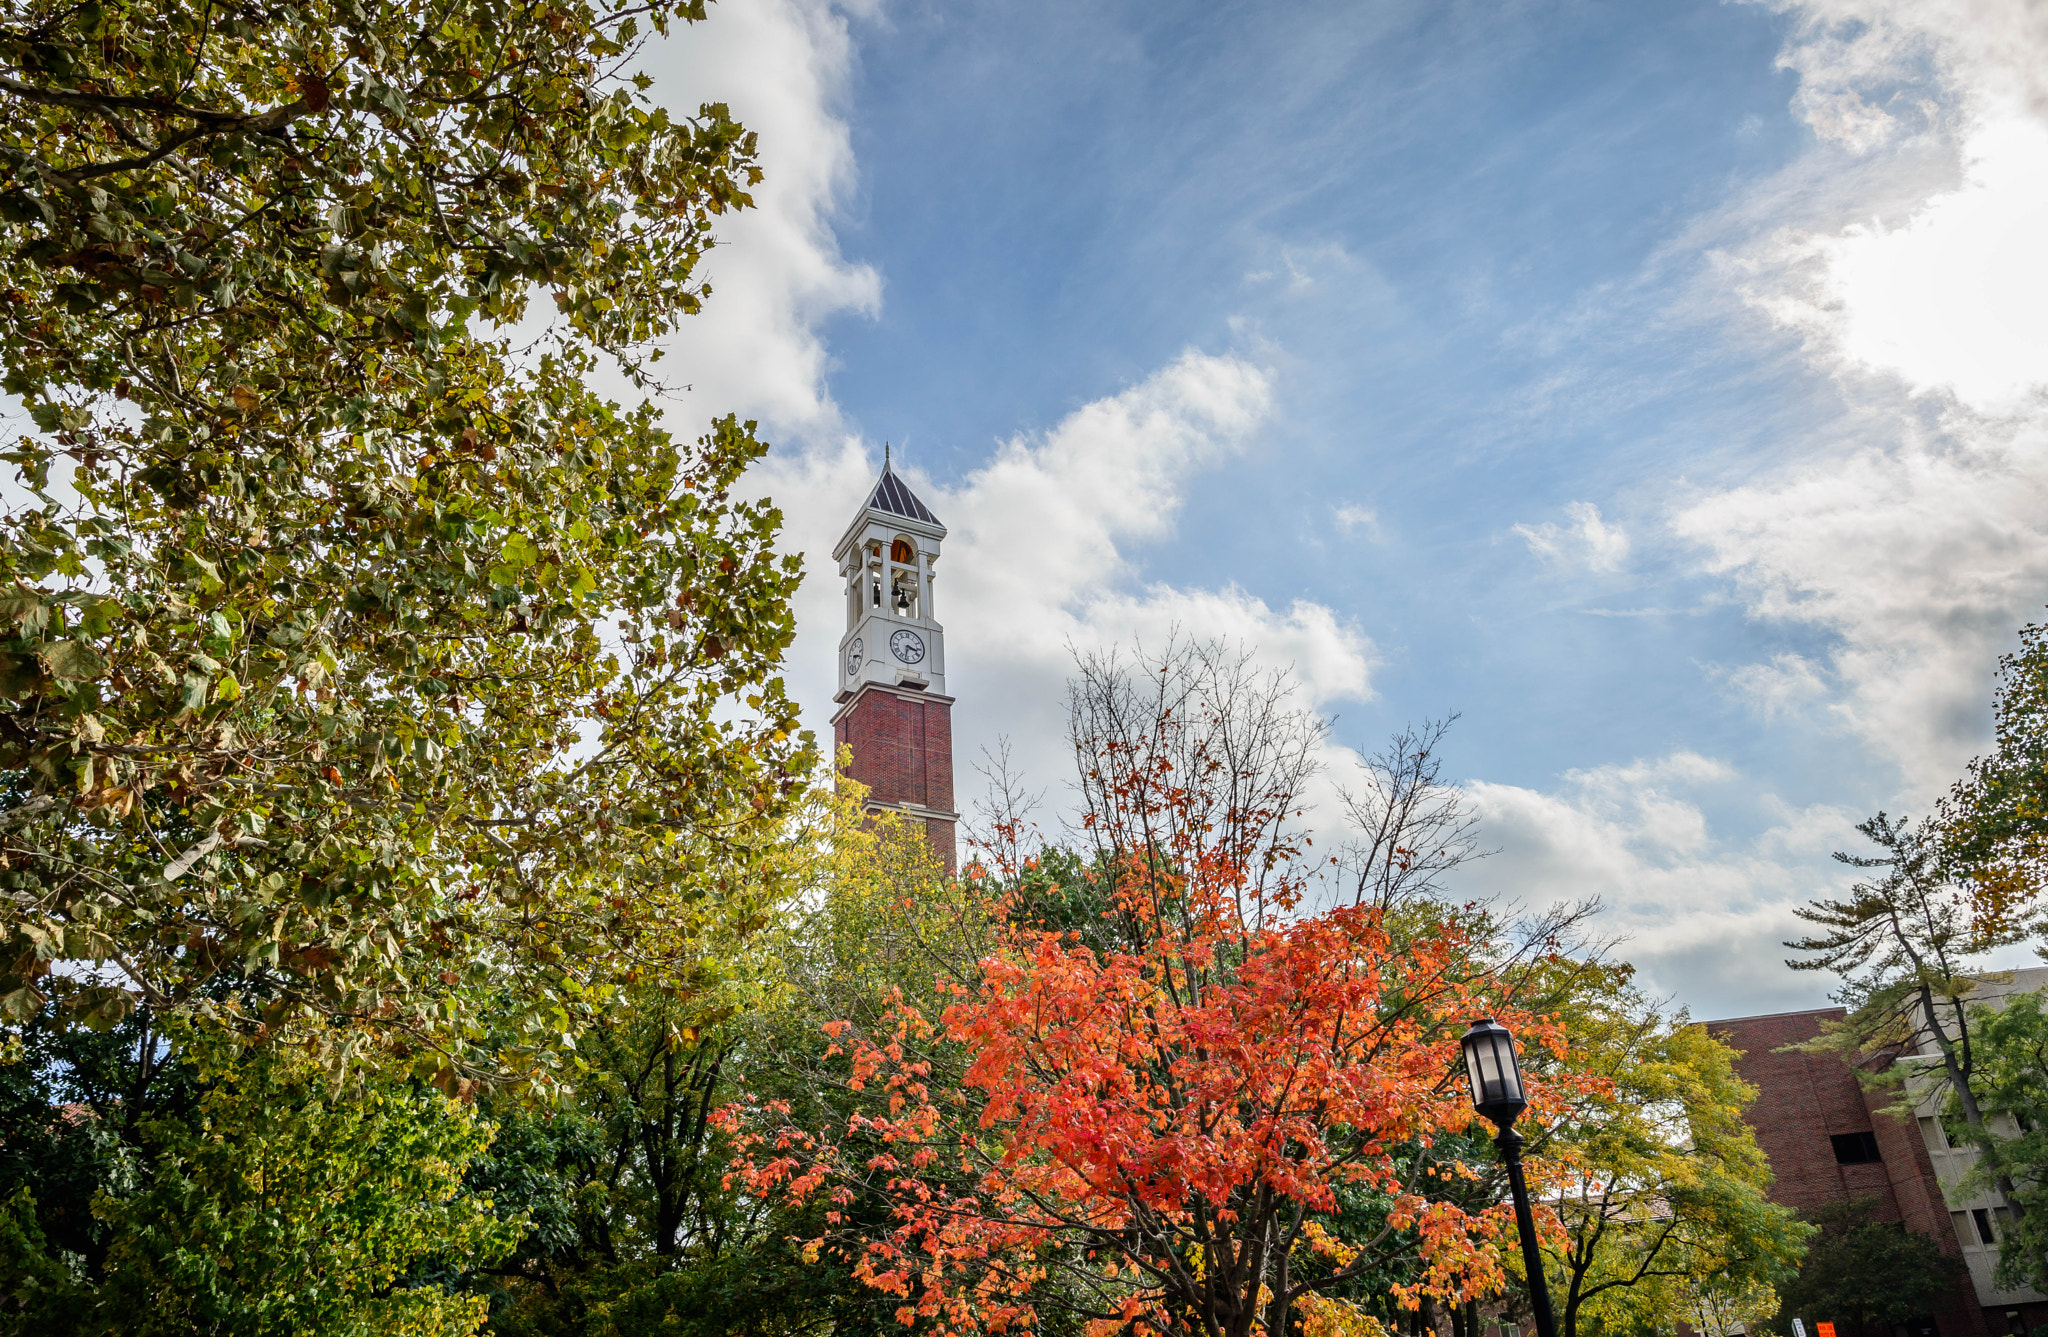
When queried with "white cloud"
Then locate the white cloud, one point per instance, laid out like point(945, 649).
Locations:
point(1043, 556)
point(1910, 267)
point(1785, 686)
point(1697, 910)
point(1045, 533)
point(1588, 541)
point(777, 273)
point(1351, 517)
point(1951, 299)
point(1921, 559)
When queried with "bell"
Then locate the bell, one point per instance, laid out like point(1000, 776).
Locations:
point(902, 600)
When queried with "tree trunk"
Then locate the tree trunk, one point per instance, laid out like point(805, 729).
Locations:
point(1276, 1323)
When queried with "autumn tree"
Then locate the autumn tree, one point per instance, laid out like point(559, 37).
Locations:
point(352, 647)
point(1147, 1135)
point(1994, 822)
point(1660, 1188)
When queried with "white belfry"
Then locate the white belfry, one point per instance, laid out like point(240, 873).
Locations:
point(893, 637)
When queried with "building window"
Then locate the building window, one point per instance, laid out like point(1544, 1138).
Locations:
point(1983, 1220)
point(1855, 1148)
point(1931, 1130)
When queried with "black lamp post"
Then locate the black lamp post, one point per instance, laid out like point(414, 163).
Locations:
point(1497, 1094)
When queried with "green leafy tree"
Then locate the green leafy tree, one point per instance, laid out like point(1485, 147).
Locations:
point(2012, 1081)
point(1660, 1188)
point(278, 1204)
point(1994, 823)
point(1903, 945)
point(75, 1107)
point(1849, 1255)
point(634, 1228)
point(351, 645)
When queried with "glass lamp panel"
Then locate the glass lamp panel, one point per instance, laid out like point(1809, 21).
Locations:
point(1510, 1069)
point(1489, 1068)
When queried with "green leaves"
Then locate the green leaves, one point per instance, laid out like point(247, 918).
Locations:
point(1993, 826)
point(409, 622)
point(72, 660)
point(272, 1201)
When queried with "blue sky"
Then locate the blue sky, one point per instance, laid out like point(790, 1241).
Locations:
point(1660, 386)
point(1397, 214)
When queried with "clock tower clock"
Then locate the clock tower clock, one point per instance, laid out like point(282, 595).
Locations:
point(894, 713)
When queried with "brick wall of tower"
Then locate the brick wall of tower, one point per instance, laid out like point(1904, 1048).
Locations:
point(1802, 1101)
point(902, 749)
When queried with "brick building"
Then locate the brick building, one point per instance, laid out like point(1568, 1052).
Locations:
point(1828, 1142)
point(894, 713)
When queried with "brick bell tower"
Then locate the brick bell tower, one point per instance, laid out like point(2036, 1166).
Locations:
point(893, 709)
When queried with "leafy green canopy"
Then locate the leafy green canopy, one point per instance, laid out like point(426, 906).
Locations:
point(271, 1203)
point(1995, 821)
point(307, 670)
point(1850, 1252)
point(2012, 1044)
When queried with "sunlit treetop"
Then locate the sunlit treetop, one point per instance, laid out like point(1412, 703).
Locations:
point(356, 652)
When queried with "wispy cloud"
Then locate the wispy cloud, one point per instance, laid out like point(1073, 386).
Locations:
point(1919, 540)
point(1588, 542)
point(1353, 519)
point(1784, 687)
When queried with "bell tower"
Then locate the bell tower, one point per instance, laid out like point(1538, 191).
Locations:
point(893, 709)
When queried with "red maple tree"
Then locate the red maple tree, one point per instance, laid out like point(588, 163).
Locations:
point(1150, 1131)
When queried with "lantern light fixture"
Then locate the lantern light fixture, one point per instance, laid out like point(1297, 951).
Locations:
point(1495, 1075)
point(1493, 1071)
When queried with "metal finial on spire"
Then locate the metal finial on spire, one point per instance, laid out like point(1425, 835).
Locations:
point(885, 457)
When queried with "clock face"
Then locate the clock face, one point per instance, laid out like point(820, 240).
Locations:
point(907, 646)
point(853, 657)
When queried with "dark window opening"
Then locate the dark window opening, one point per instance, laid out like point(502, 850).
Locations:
point(1983, 1220)
point(1855, 1148)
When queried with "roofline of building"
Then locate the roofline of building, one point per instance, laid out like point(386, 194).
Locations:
point(889, 519)
point(1772, 1016)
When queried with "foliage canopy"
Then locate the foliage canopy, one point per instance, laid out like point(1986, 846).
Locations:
point(308, 664)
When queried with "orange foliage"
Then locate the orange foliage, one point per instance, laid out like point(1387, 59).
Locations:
point(1158, 1123)
point(1169, 1113)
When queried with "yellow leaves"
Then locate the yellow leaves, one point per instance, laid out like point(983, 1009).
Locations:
point(1326, 1316)
point(1326, 1245)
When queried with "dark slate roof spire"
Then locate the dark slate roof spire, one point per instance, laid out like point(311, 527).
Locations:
point(896, 499)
